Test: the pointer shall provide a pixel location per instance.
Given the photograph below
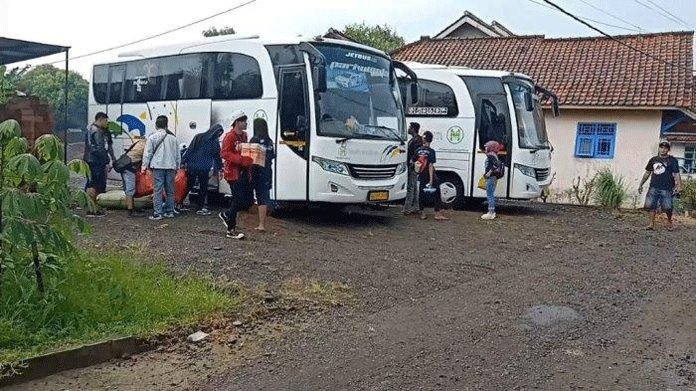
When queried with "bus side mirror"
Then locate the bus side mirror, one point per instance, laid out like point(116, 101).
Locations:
point(554, 107)
point(528, 101)
point(414, 93)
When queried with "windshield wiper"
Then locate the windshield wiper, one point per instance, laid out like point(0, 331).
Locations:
point(390, 130)
point(359, 135)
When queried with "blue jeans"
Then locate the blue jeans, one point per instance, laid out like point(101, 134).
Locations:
point(657, 197)
point(163, 180)
point(128, 178)
point(490, 192)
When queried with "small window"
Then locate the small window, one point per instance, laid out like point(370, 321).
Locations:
point(690, 159)
point(100, 82)
point(144, 81)
point(434, 100)
point(595, 140)
point(237, 77)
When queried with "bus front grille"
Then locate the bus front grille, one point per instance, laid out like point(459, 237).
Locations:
point(372, 172)
point(542, 174)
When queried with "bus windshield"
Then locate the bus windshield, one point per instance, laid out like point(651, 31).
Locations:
point(530, 124)
point(362, 99)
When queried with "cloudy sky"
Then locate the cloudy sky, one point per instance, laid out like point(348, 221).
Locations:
point(88, 26)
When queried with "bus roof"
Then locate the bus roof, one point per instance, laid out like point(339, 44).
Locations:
point(464, 71)
point(178, 48)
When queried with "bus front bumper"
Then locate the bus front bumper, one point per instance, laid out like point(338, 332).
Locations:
point(347, 190)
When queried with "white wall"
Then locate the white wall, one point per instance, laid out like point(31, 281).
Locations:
point(637, 136)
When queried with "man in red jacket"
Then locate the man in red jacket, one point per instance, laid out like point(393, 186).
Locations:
point(236, 172)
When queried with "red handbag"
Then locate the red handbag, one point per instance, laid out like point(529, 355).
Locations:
point(180, 183)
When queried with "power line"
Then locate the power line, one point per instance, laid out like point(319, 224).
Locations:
point(684, 23)
point(589, 19)
point(610, 14)
point(613, 38)
point(160, 34)
point(670, 18)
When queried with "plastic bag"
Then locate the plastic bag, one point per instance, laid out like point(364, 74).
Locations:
point(143, 183)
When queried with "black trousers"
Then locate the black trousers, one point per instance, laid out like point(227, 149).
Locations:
point(240, 190)
point(200, 177)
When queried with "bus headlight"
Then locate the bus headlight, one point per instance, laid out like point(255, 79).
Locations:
point(401, 168)
point(526, 170)
point(331, 165)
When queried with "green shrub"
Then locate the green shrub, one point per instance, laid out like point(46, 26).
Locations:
point(688, 194)
point(99, 295)
point(610, 191)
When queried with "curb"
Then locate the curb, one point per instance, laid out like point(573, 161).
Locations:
point(83, 356)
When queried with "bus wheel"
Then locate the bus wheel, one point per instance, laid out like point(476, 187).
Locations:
point(451, 191)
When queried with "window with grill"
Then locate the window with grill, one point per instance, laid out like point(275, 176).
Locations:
point(595, 140)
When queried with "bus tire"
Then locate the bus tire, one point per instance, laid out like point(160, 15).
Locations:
point(451, 191)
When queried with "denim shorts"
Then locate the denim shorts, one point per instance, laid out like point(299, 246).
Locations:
point(263, 196)
point(128, 183)
point(659, 197)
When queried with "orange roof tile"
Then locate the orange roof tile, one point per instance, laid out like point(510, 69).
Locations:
point(594, 71)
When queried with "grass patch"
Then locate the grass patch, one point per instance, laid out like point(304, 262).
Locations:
point(102, 294)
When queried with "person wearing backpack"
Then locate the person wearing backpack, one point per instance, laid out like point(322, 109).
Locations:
point(98, 149)
point(429, 194)
point(201, 155)
point(163, 158)
point(494, 169)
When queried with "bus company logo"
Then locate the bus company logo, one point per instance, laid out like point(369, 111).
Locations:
point(455, 135)
point(391, 152)
point(342, 150)
point(261, 114)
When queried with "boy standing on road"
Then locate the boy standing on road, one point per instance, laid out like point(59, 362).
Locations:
point(236, 172)
point(98, 149)
point(163, 157)
point(427, 181)
point(665, 182)
point(416, 141)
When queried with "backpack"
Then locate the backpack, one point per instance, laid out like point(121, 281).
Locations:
point(421, 164)
point(498, 169)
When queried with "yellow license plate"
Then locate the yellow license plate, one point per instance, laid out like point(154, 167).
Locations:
point(378, 196)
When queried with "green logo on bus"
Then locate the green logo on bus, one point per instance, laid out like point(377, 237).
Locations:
point(455, 135)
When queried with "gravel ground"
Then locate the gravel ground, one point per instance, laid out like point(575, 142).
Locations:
point(546, 297)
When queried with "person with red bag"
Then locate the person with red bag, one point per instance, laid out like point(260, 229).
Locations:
point(236, 172)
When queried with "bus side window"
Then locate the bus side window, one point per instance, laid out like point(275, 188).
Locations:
point(493, 123)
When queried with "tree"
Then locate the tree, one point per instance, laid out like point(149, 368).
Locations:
point(379, 37)
point(36, 220)
point(48, 82)
point(7, 88)
point(214, 32)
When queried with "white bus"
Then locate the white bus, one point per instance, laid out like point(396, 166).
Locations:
point(333, 108)
point(464, 109)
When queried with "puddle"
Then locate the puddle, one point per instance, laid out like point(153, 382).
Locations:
point(547, 315)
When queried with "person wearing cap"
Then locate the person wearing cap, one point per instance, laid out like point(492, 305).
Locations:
point(236, 172)
point(665, 183)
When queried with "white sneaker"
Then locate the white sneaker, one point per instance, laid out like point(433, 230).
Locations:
point(488, 216)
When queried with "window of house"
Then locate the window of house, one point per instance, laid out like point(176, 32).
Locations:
point(595, 140)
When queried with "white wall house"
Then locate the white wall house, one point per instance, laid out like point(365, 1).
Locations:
point(616, 103)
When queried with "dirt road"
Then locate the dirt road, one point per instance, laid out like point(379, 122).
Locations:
point(545, 297)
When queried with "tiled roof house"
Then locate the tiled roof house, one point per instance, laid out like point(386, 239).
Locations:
point(642, 94)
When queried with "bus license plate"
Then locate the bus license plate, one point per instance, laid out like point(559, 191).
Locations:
point(382, 195)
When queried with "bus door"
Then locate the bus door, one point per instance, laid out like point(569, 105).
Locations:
point(492, 123)
point(292, 136)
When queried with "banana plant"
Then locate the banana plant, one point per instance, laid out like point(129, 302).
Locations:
point(37, 220)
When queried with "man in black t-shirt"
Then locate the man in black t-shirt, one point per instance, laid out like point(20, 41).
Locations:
point(424, 164)
point(665, 182)
point(415, 142)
